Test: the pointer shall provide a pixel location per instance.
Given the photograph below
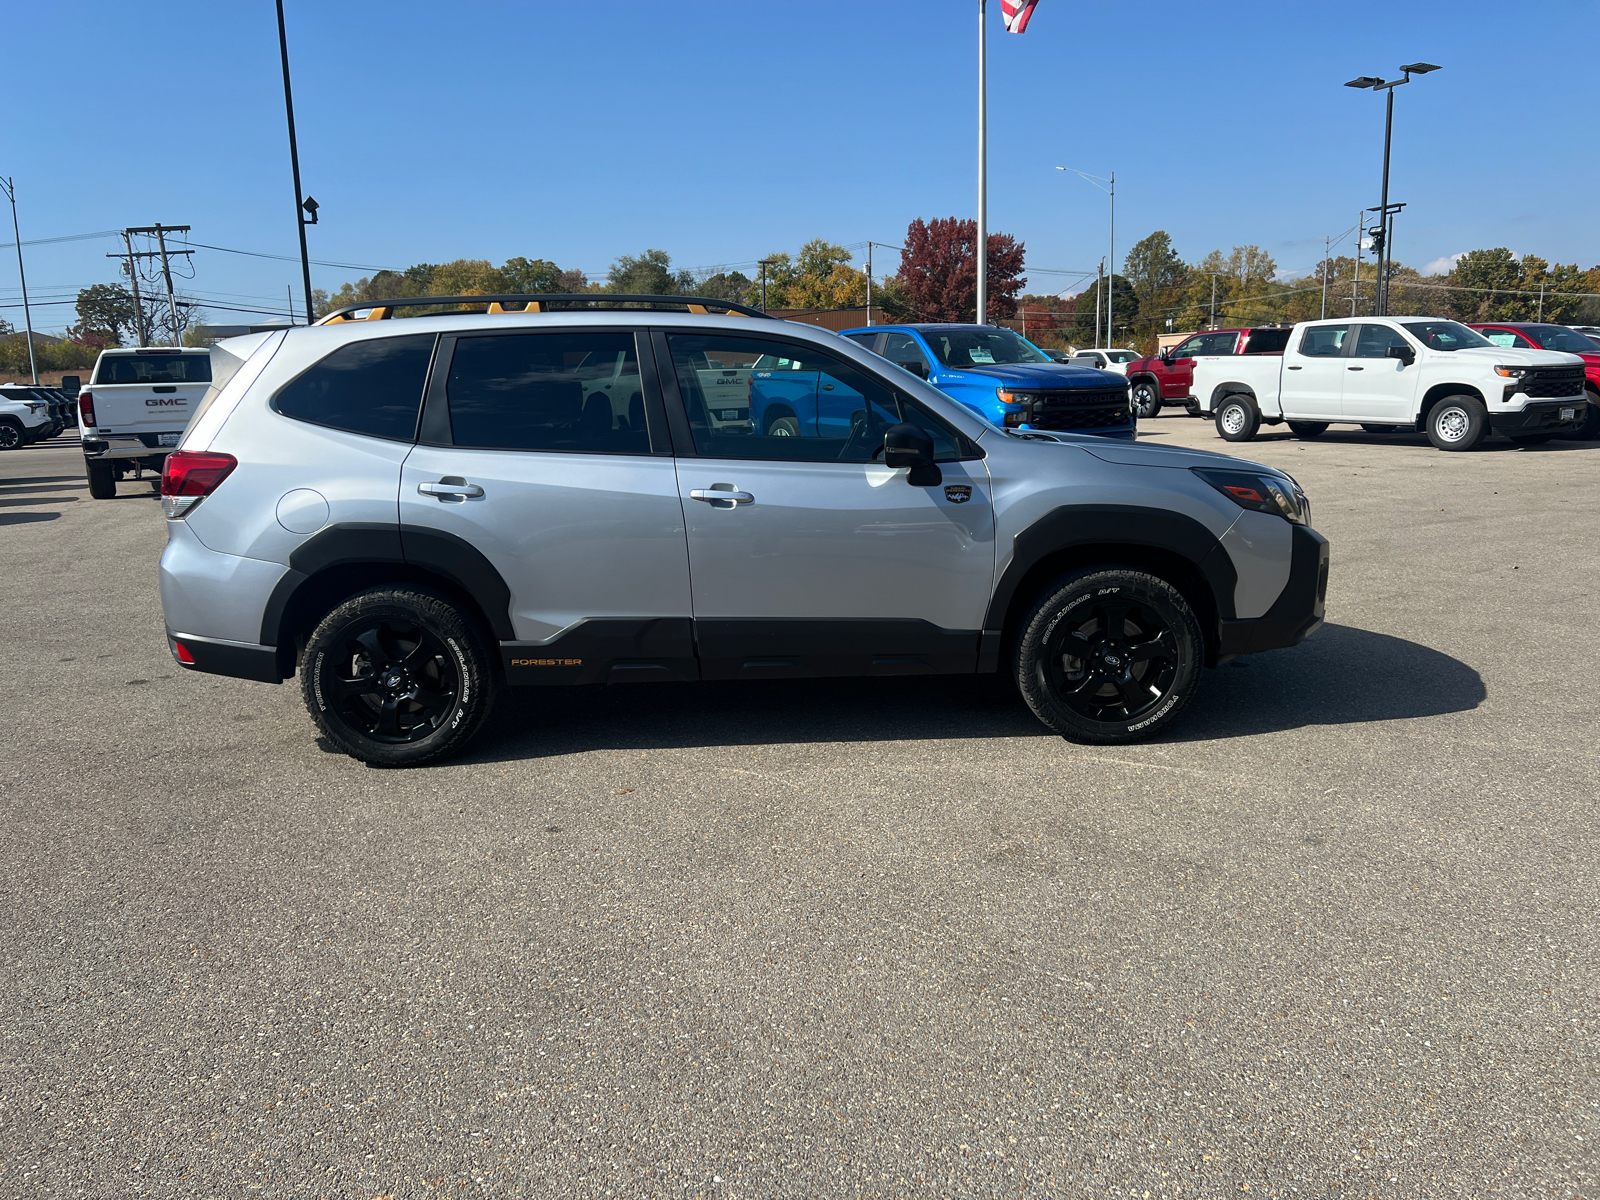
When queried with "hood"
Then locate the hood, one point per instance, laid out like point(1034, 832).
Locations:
point(1047, 375)
point(1511, 357)
point(1151, 454)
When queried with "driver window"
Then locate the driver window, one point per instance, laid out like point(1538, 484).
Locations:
point(902, 348)
point(755, 398)
point(1190, 349)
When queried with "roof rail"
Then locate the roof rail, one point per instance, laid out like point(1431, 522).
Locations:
point(383, 310)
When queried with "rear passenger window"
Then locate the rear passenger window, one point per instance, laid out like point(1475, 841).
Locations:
point(1324, 341)
point(372, 387)
point(572, 392)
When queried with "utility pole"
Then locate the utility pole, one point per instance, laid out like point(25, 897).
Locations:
point(1355, 284)
point(1327, 250)
point(763, 265)
point(1099, 285)
point(10, 188)
point(1213, 299)
point(301, 204)
point(133, 278)
point(869, 283)
point(981, 250)
point(166, 274)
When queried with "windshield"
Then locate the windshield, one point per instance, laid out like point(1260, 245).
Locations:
point(155, 368)
point(1558, 337)
point(960, 348)
point(1445, 335)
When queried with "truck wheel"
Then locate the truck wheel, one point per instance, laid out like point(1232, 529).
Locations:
point(397, 676)
point(1146, 399)
point(11, 435)
point(1457, 423)
point(1308, 429)
point(102, 479)
point(1238, 418)
point(1589, 428)
point(1109, 654)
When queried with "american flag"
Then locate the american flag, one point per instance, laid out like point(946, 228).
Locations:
point(1015, 14)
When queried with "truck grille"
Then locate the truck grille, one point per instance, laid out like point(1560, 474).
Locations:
point(1546, 383)
point(1077, 408)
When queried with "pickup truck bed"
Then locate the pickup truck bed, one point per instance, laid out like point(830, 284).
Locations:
point(135, 410)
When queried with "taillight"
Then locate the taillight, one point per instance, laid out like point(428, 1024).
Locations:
point(189, 476)
point(86, 409)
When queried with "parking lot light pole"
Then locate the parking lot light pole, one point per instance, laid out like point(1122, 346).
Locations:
point(1109, 186)
point(9, 186)
point(302, 206)
point(1376, 84)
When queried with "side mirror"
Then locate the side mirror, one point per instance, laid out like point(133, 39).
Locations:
point(917, 368)
point(1404, 353)
point(905, 445)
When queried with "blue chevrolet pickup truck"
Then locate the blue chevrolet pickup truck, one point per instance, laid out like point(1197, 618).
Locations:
point(1005, 378)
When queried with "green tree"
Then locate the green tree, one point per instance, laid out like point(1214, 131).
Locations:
point(1125, 312)
point(531, 276)
point(1153, 267)
point(105, 315)
point(648, 274)
point(724, 285)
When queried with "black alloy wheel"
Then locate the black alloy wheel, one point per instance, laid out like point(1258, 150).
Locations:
point(397, 676)
point(1109, 655)
point(11, 436)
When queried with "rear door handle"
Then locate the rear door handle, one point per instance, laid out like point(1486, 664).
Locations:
point(1294, 368)
point(451, 490)
point(712, 496)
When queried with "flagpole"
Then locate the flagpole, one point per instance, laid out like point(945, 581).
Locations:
point(982, 248)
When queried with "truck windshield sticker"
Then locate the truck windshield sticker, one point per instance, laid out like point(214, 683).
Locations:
point(979, 355)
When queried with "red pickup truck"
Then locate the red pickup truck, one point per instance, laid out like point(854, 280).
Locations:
point(1166, 378)
point(1532, 335)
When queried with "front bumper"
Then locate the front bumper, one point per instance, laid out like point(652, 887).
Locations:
point(1542, 416)
point(1298, 610)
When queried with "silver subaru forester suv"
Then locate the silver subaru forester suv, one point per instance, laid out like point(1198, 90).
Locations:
point(412, 514)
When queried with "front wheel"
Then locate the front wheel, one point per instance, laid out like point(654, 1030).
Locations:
point(1457, 423)
point(1589, 428)
point(1146, 399)
point(1308, 429)
point(1109, 654)
point(397, 676)
point(102, 479)
point(1238, 419)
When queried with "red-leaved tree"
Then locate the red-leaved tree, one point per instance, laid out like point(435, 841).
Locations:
point(940, 272)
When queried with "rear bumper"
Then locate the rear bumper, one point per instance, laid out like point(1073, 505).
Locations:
point(1543, 416)
point(125, 446)
point(212, 656)
point(1299, 608)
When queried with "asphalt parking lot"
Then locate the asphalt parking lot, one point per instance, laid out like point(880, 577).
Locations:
point(1335, 936)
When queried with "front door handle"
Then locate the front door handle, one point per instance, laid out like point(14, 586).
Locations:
point(717, 496)
point(1355, 368)
point(1294, 368)
point(451, 489)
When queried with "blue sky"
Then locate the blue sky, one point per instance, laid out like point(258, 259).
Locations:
point(721, 132)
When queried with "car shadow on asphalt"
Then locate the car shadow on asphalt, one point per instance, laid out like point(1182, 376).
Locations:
point(1339, 676)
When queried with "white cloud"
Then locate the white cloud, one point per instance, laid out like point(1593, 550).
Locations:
point(1443, 266)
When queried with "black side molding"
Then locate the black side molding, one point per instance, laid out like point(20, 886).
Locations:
point(607, 651)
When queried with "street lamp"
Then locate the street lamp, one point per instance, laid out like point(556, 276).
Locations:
point(1109, 186)
point(9, 186)
point(305, 208)
point(1386, 217)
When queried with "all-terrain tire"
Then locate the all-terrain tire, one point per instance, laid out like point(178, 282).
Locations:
point(398, 676)
point(1457, 423)
point(1109, 654)
point(1238, 418)
point(102, 479)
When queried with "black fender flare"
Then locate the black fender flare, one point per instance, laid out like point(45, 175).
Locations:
point(1111, 526)
point(432, 550)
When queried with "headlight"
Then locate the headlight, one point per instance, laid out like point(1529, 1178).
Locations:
point(1511, 372)
point(1006, 396)
point(1277, 495)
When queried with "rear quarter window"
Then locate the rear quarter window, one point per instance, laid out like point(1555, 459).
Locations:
point(372, 387)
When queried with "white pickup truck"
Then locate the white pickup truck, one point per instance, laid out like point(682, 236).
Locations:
point(135, 408)
point(1420, 374)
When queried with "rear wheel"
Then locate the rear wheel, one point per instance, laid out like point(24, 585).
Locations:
point(11, 435)
point(1146, 399)
point(398, 676)
point(102, 479)
point(1457, 423)
point(783, 426)
point(1308, 429)
point(1109, 654)
point(1238, 419)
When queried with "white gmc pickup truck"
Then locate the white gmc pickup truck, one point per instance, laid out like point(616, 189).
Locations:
point(1422, 374)
point(135, 409)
